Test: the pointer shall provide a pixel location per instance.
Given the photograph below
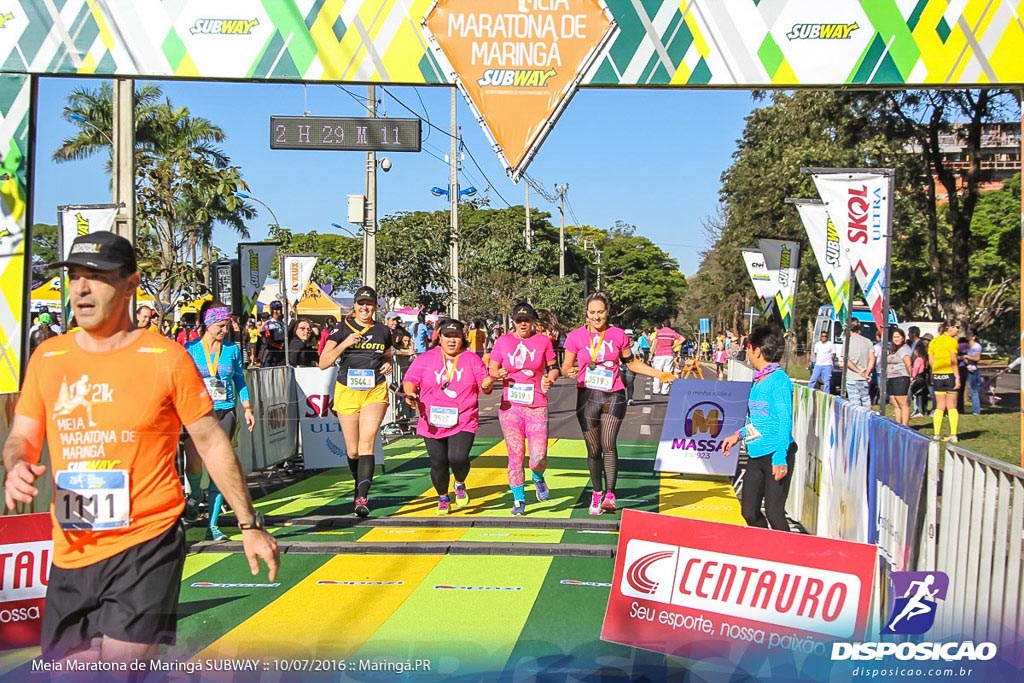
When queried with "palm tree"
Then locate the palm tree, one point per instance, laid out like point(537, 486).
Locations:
point(184, 184)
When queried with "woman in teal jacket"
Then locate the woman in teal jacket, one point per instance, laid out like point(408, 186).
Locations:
point(768, 433)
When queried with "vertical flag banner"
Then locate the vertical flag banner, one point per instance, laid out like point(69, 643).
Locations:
point(76, 221)
point(255, 260)
point(759, 275)
point(781, 258)
point(828, 251)
point(15, 97)
point(858, 202)
point(297, 271)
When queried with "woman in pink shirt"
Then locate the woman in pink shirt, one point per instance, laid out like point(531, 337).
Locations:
point(592, 355)
point(525, 360)
point(444, 384)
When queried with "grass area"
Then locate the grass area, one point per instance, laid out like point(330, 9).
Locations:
point(995, 433)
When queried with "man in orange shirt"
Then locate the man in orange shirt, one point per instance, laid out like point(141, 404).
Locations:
point(110, 400)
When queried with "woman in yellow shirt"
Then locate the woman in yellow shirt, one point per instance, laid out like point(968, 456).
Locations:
point(942, 356)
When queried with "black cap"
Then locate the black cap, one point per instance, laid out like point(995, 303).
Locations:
point(524, 310)
point(101, 251)
point(366, 294)
point(452, 327)
point(276, 305)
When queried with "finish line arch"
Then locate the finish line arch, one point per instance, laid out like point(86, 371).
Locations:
point(495, 51)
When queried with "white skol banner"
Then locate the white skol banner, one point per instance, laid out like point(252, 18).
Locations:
point(255, 260)
point(323, 443)
point(297, 271)
point(759, 275)
point(858, 204)
point(829, 252)
point(781, 258)
point(76, 221)
point(699, 416)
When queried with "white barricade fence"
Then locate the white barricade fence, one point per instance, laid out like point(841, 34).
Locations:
point(865, 478)
point(738, 371)
point(979, 546)
point(323, 443)
point(274, 440)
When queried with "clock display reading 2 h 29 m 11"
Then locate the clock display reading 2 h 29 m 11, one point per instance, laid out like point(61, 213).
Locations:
point(345, 134)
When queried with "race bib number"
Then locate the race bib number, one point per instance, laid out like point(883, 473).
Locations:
point(600, 379)
point(361, 380)
point(92, 501)
point(751, 433)
point(217, 388)
point(444, 417)
point(521, 393)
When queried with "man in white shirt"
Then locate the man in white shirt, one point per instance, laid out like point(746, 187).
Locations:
point(824, 352)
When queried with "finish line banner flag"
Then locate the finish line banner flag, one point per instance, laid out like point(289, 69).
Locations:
point(696, 589)
point(255, 260)
point(323, 444)
point(759, 276)
point(518, 64)
point(782, 260)
point(699, 416)
point(297, 271)
point(858, 204)
point(76, 221)
point(828, 251)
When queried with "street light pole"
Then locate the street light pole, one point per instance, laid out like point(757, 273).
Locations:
point(561, 190)
point(453, 196)
point(370, 224)
point(123, 158)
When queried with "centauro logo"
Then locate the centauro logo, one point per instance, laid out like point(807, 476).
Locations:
point(517, 78)
point(224, 27)
point(821, 31)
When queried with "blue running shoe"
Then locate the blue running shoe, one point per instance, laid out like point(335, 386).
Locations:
point(543, 493)
point(519, 508)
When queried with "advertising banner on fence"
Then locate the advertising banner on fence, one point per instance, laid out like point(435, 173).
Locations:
point(26, 546)
point(704, 590)
point(814, 428)
point(323, 444)
point(899, 459)
point(699, 416)
point(76, 221)
point(842, 506)
point(518, 63)
point(782, 259)
point(828, 251)
point(858, 204)
point(764, 287)
point(297, 271)
point(255, 260)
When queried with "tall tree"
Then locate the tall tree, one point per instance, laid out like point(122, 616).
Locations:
point(184, 185)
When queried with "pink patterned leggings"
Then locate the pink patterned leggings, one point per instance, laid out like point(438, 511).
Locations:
point(521, 424)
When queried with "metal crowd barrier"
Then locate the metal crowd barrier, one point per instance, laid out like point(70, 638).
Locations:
point(978, 544)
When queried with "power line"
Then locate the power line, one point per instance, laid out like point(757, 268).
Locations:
point(489, 183)
point(411, 111)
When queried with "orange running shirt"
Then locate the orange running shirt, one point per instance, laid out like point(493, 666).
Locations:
point(112, 423)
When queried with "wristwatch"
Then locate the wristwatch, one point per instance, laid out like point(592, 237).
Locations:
point(256, 523)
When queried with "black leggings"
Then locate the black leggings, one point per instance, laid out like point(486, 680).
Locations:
point(600, 415)
point(452, 453)
point(759, 484)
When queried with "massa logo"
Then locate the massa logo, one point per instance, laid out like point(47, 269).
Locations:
point(224, 27)
point(705, 417)
point(821, 31)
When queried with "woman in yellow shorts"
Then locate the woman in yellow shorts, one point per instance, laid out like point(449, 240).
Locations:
point(942, 356)
point(361, 348)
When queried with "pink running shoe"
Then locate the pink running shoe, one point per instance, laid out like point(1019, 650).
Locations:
point(595, 503)
point(609, 502)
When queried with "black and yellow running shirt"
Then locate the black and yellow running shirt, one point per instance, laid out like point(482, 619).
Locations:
point(366, 355)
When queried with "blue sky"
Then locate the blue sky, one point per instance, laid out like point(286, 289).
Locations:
point(651, 158)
